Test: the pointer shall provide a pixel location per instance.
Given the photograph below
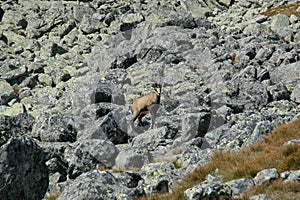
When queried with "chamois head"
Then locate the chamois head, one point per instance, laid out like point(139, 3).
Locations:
point(157, 88)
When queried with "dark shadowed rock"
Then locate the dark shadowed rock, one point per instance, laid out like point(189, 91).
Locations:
point(6, 92)
point(23, 172)
point(15, 126)
point(1, 14)
point(114, 126)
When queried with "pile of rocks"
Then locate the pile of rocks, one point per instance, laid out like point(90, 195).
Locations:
point(69, 72)
point(214, 187)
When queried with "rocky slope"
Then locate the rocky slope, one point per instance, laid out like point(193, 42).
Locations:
point(70, 71)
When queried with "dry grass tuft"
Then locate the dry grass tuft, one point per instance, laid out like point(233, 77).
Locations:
point(287, 10)
point(267, 153)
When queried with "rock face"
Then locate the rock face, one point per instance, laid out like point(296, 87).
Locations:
point(230, 75)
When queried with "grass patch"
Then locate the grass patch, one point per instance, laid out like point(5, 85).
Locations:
point(267, 153)
point(287, 10)
point(276, 190)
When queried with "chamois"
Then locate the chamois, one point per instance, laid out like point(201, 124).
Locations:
point(146, 104)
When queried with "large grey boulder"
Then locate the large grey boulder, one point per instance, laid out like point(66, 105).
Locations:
point(54, 127)
point(82, 156)
point(195, 125)
point(195, 153)
point(158, 177)
point(90, 120)
point(154, 138)
point(132, 159)
point(98, 185)
point(23, 172)
point(239, 132)
point(287, 74)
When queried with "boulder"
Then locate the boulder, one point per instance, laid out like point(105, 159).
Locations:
point(195, 125)
point(287, 74)
point(195, 153)
point(153, 138)
point(294, 176)
point(132, 159)
point(97, 185)
point(54, 127)
point(23, 172)
point(208, 190)
point(239, 186)
point(279, 92)
point(114, 126)
point(260, 197)
point(85, 155)
point(158, 177)
point(280, 25)
point(295, 96)
point(265, 176)
point(7, 92)
point(15, 126)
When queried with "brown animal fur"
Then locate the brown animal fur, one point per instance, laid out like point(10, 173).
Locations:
point(145, 105)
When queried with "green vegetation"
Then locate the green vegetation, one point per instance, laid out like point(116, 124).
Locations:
point(267, 153)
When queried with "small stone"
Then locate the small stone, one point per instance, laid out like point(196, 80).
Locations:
point(45, 79)
point(260, 197)
point(295, 96)
point(227, 3)
point(294, 176)
point(291, 142)
point(266, 175)
point(294, 19)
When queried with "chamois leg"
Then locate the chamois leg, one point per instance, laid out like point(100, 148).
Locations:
point(152, 119)
point(140, 119)
point(134, 117)
point(153, 112)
